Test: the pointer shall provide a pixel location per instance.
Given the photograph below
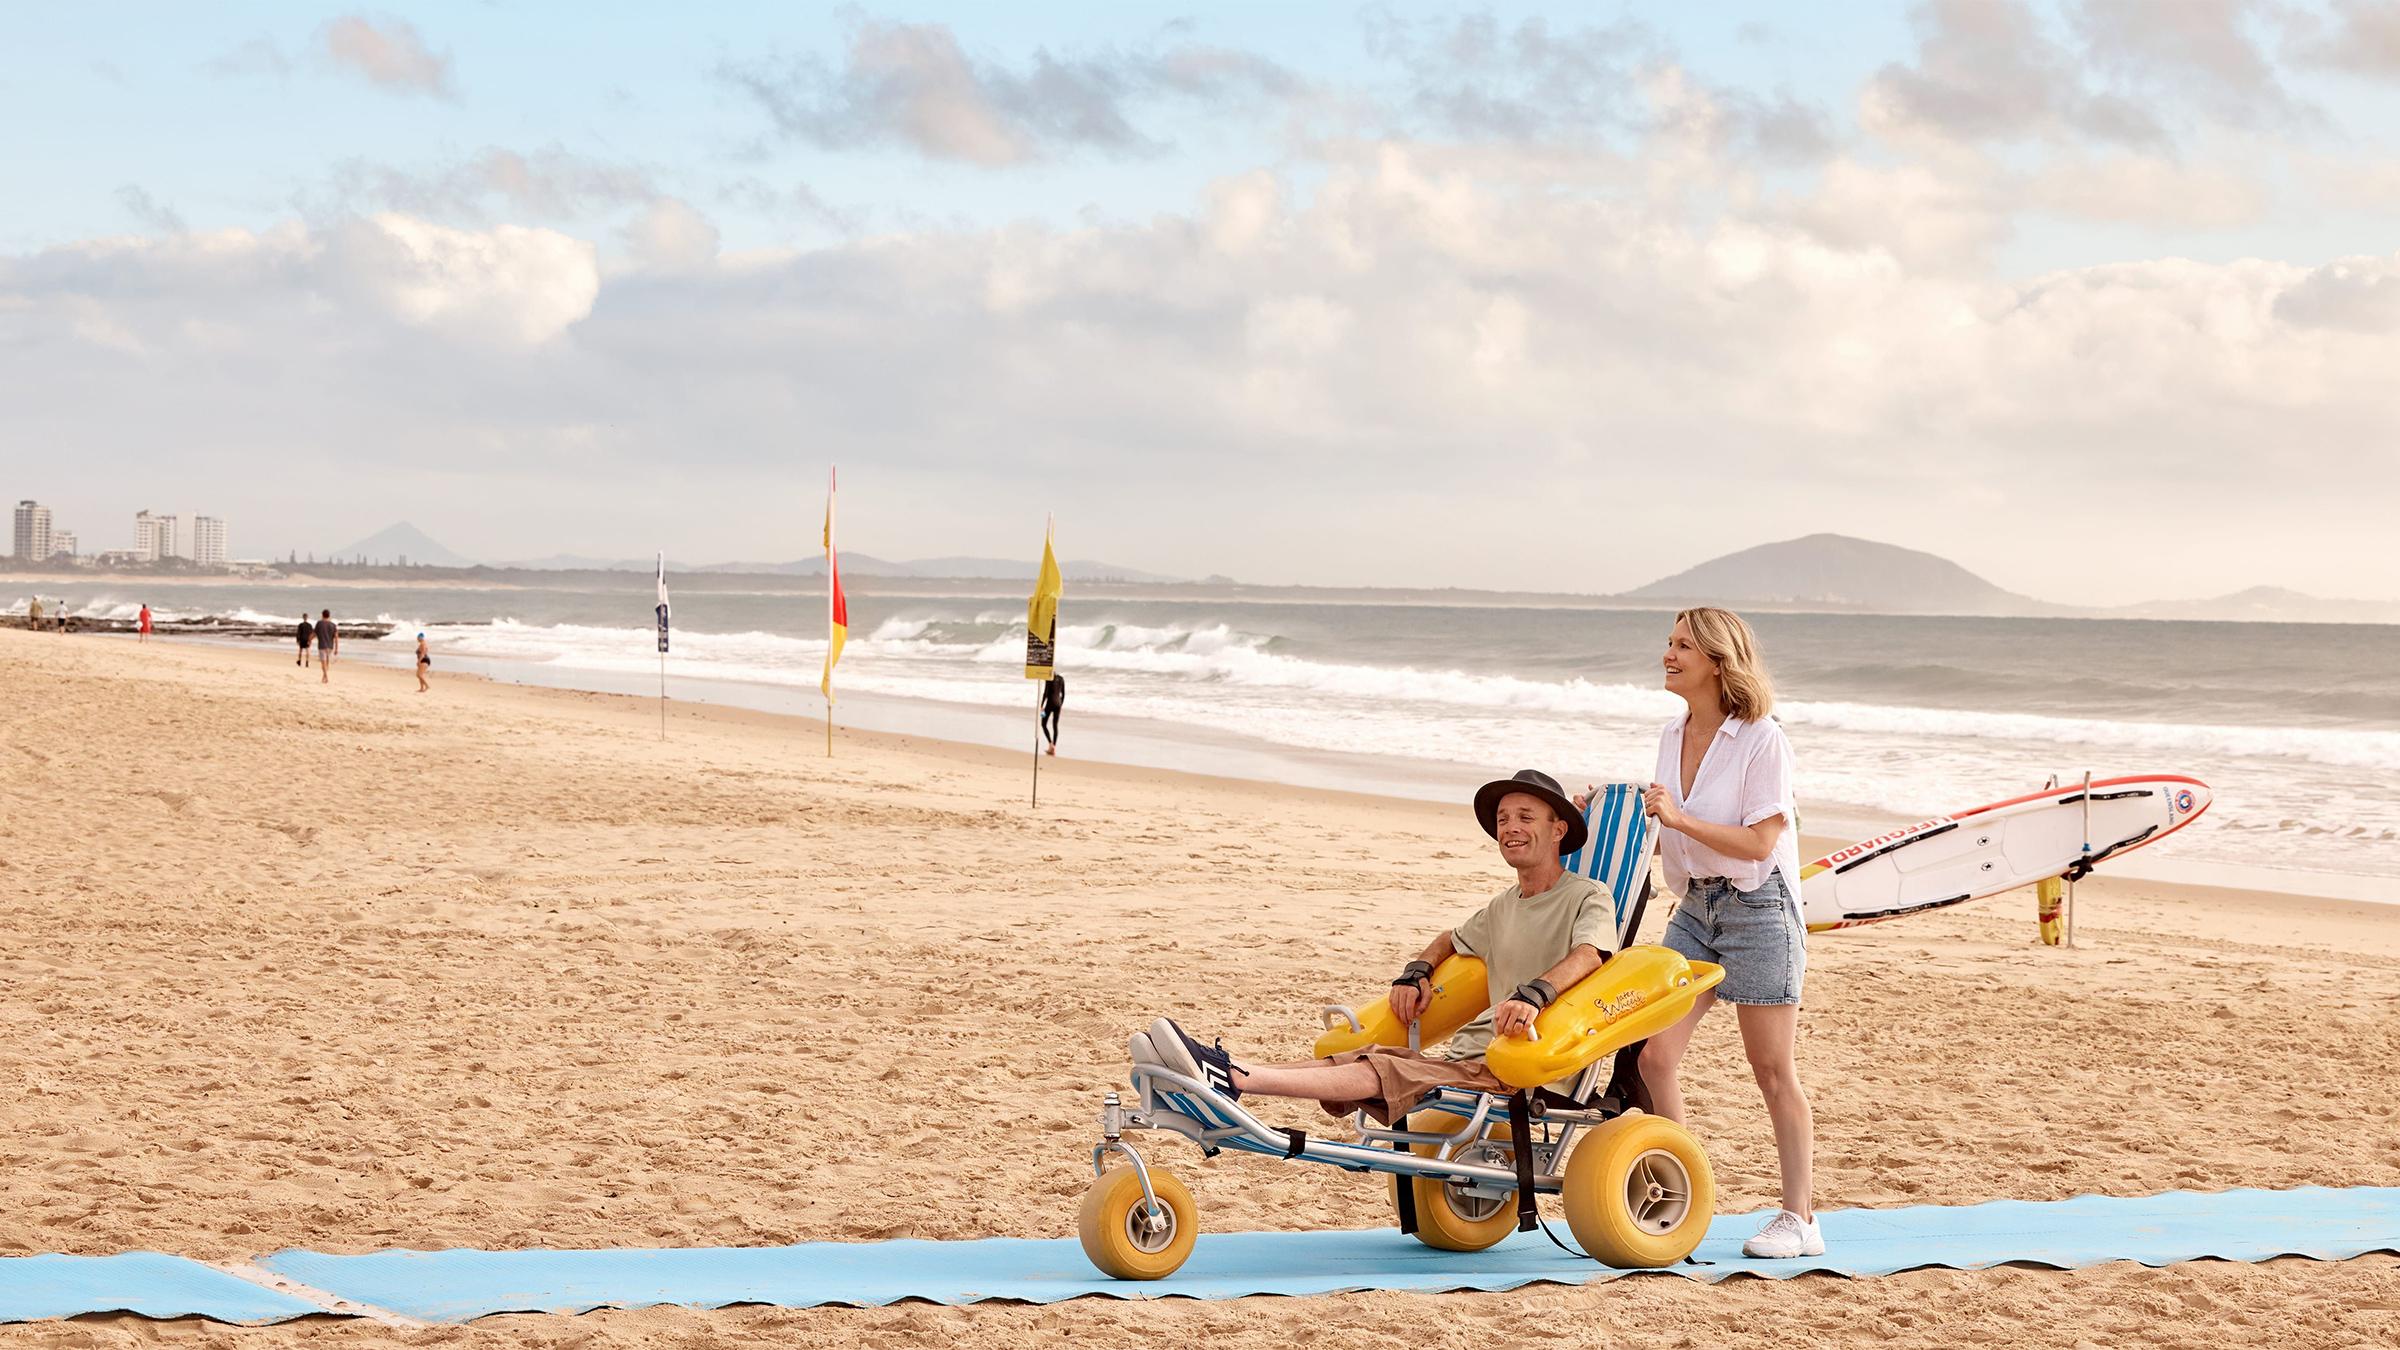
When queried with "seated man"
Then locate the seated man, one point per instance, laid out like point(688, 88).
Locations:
point(1536, 938)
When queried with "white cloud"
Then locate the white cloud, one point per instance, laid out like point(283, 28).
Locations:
point(548, 183)
point(2360, 295)
point(2197, 51)
point(389, 53)
point(914, 85)
point(296, 290)
point(506, 285)
point(1985, 70)
point(2147, 190)
point(150, 212)
point(2363, 38)
point(669, 235)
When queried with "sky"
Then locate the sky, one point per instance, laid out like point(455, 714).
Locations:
point(2099, 298)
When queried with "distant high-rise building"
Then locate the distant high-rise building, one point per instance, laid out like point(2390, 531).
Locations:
point(62, 544)
point(208, 541)
point(33, 531)
point(153, 537)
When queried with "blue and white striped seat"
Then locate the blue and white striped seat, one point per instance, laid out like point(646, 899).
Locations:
point(1617, 855)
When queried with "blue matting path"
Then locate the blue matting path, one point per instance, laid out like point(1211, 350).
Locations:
point(459, 1285)
point(147, 1283)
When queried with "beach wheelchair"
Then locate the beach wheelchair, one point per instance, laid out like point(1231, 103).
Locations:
point(1466, 1167)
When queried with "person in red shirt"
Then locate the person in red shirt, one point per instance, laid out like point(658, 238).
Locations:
point(145, 637)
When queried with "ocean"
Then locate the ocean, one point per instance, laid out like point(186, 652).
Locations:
point(2296, 727)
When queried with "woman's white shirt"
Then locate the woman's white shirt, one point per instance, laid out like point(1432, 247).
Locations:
point(1744, 778)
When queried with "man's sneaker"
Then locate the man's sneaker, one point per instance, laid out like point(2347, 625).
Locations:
point(1179, 1053)
point(1144, 1056)
point(1786, 1235)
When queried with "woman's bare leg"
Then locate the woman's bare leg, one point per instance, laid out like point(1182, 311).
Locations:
point(1662, 1055)
point(1769, 1035)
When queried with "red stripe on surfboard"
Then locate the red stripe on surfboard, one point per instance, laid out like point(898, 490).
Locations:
point(1910, 832)
point(2068, 791)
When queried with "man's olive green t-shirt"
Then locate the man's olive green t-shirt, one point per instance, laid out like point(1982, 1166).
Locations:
point(1520, 937)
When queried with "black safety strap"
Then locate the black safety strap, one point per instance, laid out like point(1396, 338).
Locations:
point(2083, 866)
point(1296, 1140)
point(1520, 1138)
point(1407, 1190)
point(1625, 1086)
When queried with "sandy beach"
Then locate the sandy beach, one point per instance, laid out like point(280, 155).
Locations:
point(349, 968)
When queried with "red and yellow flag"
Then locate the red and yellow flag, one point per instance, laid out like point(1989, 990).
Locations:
point(837, 605)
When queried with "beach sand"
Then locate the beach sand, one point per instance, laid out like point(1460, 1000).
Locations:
point(349, 967)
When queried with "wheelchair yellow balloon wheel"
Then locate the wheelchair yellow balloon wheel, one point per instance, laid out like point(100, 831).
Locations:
point(1448, 1219)
point(1124, 1237)
point(1639, 1192)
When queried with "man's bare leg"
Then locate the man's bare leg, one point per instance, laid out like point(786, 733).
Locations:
point(1311, 1080)
point(1315, 1081)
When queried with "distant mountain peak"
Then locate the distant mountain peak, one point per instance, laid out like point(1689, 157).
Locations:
point(403, 540)
point(1839, 571)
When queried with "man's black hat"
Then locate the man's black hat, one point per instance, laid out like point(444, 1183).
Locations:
point(1535, 783)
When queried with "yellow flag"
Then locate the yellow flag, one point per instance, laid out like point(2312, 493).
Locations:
point(837, 605)
point(1041, 617)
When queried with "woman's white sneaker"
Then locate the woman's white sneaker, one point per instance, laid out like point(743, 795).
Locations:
point(1786, 1235)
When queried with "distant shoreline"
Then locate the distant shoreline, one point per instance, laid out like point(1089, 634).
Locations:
point(1192, 592)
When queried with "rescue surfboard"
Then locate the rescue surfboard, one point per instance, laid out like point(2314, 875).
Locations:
point(1952, 859)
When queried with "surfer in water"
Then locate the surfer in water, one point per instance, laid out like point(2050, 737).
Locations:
point(1723, 800)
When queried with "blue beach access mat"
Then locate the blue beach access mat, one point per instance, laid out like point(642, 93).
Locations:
point(460, 1285)
point(456, 1286)
point(147, 1283)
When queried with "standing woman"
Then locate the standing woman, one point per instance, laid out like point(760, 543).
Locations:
point(1724, 805)
point(424, 662)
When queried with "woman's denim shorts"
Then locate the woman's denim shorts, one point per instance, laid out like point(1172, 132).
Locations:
point(1756, 935)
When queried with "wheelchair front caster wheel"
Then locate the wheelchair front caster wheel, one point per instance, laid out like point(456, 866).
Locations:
point(1128, 1238)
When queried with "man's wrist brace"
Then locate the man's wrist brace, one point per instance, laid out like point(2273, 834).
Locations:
point(1539, 993)
point(1415, 972)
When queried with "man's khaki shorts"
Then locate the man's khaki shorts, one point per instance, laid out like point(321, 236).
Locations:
point(1403, 1076)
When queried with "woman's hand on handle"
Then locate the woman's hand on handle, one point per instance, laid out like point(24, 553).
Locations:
point(1656, 802)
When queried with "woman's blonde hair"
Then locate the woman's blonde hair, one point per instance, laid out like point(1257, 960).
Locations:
point(1741, 676)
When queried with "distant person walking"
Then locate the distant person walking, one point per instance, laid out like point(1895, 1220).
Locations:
point(33, 615)
point(1054, 702)
point(329, 645)
point(424, 661)
point(145, 628)
point(303, 633)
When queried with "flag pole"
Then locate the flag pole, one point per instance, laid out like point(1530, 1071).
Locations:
point(1041, 640)
point(1049, 525)
point(833, 585)
point(662, 644)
